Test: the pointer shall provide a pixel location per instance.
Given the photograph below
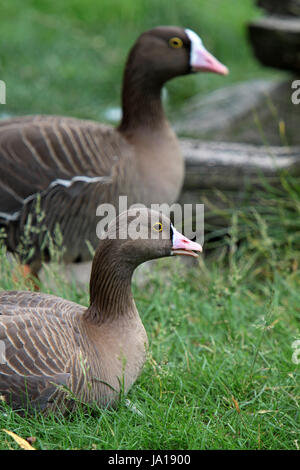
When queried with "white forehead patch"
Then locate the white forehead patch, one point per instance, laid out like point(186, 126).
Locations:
point(196, 44)
point(175, 233)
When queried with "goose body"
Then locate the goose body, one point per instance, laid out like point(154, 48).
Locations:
point(52, 348)
point(55, 350)
point(57, 170)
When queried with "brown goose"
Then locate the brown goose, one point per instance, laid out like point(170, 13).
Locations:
point(64, 168)
point(51, 344)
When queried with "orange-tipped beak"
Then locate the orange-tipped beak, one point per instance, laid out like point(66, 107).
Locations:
point(184, 246)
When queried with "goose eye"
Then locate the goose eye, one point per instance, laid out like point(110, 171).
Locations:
point(176, 43)
point(158, 227)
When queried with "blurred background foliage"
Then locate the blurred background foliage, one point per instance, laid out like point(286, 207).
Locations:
point(67, 57)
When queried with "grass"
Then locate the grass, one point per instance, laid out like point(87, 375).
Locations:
point(71, 54)
point(219, 373)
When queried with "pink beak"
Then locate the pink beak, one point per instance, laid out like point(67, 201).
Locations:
point(201, 59)
point(205, 61)
point(184, 246)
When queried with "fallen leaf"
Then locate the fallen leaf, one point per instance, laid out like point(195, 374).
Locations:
point(22, 442)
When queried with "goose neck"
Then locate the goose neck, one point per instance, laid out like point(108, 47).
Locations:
point(141, 102)
point(110, 287)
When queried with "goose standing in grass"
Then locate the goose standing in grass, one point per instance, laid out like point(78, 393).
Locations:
point(58, 170)
point(51, 344)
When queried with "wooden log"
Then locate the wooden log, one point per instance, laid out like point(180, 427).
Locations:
point(255, 112)
point(225, 176)
point(231, 166)
point(276, 41)
point(281, 7)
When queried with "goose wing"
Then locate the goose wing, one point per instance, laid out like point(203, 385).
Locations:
point(40, 152)
point(15, 303)
point(37, 356)
point(72, 164)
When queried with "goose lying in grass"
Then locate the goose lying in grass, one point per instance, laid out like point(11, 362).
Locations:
point(52, 344)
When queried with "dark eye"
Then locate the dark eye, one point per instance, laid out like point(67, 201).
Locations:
point(158, 227)
point(176, 43)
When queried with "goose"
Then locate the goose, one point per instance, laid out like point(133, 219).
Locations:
point(55, 171)
point(57, 352)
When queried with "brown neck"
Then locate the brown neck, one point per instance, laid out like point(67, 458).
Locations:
point(110, 287)
point(141, 101)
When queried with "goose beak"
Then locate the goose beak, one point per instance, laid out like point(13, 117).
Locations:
point(184, 246)
point(206, 62)
point(201, 59)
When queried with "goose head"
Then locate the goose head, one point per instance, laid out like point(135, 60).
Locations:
point(165, 52)
point(142, 234)
point(134, 237)
point(159, 54)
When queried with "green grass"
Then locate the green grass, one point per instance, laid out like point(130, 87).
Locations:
point(219, 373)
point(68, 57)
